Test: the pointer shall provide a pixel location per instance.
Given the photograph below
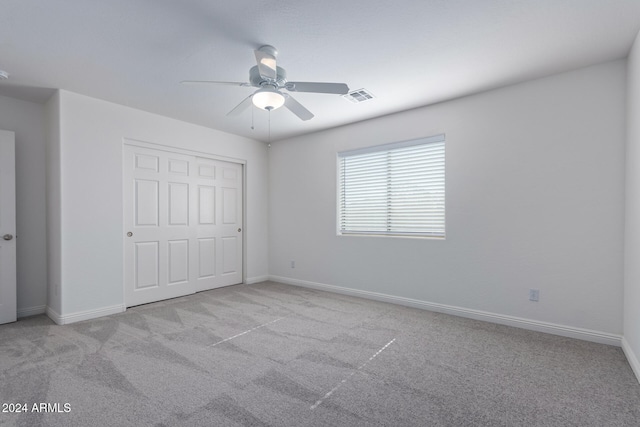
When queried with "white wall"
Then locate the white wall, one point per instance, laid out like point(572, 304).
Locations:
point(27, 120)
point(631, 343)
point(535, 195)
point(91, 247)
point(53, 200)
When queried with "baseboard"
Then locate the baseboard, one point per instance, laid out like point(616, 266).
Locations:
point(31, 311)
point(631, 357)
point(83, 315)
point(53, 315)
point(518, 322)
point(257, 279)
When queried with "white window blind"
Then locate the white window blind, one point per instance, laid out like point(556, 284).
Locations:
point(393, 189)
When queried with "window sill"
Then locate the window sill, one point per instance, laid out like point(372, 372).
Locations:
point(393, 235)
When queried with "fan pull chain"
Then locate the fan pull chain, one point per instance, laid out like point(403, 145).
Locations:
point(252, 109)
point(269, 138)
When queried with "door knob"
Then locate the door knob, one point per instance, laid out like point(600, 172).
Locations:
point(239, 230)
point(129, 234)
point(7, 237)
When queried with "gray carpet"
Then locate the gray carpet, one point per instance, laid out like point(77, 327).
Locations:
point(276, 355)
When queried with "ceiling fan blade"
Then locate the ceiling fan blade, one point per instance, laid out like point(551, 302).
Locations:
point(266, 59)
point(195, 82)
point(337, 88)
point(296, 108)
point(246, 103)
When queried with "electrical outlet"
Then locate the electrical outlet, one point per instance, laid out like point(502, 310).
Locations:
point(534, 295)
point(293, 264)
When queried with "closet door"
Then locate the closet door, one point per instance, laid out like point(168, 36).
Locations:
point(182, 224)
point(219, 223)
point(158, 219)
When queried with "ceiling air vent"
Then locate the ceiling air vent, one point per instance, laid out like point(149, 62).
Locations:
point(358, 96)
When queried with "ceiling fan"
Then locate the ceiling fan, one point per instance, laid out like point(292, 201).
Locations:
point(271, 80)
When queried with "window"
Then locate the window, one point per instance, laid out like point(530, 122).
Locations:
point(393, 189)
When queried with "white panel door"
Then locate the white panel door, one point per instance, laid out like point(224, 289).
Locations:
point(219, 223)
point(7, 228)
point(158, 228)
point(183, 224)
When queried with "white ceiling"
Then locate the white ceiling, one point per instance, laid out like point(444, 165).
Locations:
point(408, 53)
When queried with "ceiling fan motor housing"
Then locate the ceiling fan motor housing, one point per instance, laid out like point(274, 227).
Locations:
point(258, 81)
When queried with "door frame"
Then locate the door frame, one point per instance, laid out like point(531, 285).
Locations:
point(188, 152)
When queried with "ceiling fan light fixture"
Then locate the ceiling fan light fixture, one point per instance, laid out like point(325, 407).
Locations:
point(268, 98)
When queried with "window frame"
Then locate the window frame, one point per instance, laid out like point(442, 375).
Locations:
point(385, 148)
